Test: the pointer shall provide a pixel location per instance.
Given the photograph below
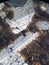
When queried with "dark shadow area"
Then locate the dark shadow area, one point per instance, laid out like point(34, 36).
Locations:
point(2, 1)
point(17, 3)
point(46, 1)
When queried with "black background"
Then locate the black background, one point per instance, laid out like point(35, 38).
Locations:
point(47, 1)
point(3, 1)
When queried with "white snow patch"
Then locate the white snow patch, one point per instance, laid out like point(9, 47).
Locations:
point(20, 23)
point(25, 64)
point(43, 8)
point(42, 25)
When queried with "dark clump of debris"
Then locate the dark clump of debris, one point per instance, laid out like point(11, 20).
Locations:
point(6, 35)
point(38, 10)
point(32, 27)
point(10, 14)
point(7, 8)
point(42, 13)
point(37, 52)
